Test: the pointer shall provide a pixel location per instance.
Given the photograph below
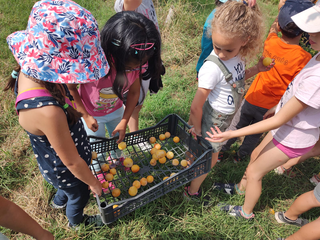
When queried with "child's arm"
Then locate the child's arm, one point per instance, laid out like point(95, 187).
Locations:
point(51, 121)
point(132, 100)
point(131, 5)
point(90, 121)
point(286, 113)
point(259, 67)
point(274, 27)
point(196, 109)
point(14, 218)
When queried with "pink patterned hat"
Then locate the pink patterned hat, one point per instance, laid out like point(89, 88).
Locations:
point(61, 44)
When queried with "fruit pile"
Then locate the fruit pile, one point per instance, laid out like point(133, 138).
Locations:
point(122, 177)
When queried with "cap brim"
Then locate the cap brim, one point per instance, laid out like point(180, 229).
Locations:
point(308, 20)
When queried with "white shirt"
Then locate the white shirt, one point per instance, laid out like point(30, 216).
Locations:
point(211, 77)
point(146, 8)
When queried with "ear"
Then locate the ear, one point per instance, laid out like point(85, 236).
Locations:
point(278, 27)
point(245, 42)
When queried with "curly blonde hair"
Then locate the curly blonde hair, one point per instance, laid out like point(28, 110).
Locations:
point(236, 20)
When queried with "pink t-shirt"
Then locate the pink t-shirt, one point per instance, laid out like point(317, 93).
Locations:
point(302, 130)
point(99, 98)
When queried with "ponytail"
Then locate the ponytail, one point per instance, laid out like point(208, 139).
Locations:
point(12, 79)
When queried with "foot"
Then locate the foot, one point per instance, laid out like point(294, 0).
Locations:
point(281, 218)
point(55, 206)
point(235, 211)
point(93, 221)
point(221, 156)
point(196, 196)
point(237, 158)
point(285, 172)
point(228, 188)
point(315, 179)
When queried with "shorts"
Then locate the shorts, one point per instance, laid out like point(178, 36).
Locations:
point(316, 192)
point(291, 152)
point(211, 118)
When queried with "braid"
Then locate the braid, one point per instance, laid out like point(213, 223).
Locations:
point(56, 90)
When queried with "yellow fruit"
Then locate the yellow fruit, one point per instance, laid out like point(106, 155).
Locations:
point(135, 168)
point(157, 146)
point(115, 206)
point(161, 153)
point(109, 177)
point(167, 134)
point(152, 140)
point(267, 61)
point(153, 162)
point(116, 192)
point(162, 160)
point(172, 174)
point(137, 184)
point(176, 139)
point(122, 145)
point(105, 184)
point(127, 162)
point(155, 156)
point(170, 155)
point(133, 191)
point(153, 151)
point(184, 163)
point(105, 167)
point(150, 179)
point(143, 181)
point(175, 162)
point(162, 137)
point(165, 178)
point(94, 155)
point(271, 211)
point(113, 171)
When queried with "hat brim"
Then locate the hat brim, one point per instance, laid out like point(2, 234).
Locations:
point(50, 68)
point(308, 20)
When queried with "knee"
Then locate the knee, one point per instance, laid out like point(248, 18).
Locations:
point(253, 174)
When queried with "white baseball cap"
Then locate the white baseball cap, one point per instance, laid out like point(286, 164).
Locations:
point(308, 20)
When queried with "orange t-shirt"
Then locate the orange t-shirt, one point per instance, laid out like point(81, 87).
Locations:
point(268, 87)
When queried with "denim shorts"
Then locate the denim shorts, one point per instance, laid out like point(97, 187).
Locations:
point(212, 118)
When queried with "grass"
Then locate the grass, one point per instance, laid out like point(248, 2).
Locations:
point(169, 217)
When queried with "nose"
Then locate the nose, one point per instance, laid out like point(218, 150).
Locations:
point(221, 55)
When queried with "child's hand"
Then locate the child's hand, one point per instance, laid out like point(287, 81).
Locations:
point(263, 68)
point(121, 129)
point(91, 123)
point(218, 136)
point(270, 112)
point(194, 133)
point(96, 188)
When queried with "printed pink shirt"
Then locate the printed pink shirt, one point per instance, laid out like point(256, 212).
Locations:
point(99, 98)
point(302, 131)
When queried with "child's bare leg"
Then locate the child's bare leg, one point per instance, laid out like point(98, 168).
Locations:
point(243, 183)
point(196, 183)
point(14, 218)
point(310, 231)
point(269, 158)
point(315, 151)
point(302, 204)
point(133, 123)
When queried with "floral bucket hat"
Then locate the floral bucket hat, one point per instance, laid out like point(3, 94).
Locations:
point(61, 44)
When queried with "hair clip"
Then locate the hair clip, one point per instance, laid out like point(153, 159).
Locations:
point(14, 74)
point(139, 46)
point(116, 42)
point(245, 3)
point(136, 52)
point(65, 106)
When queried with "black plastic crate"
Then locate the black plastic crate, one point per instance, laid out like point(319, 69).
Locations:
point(197, 152)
